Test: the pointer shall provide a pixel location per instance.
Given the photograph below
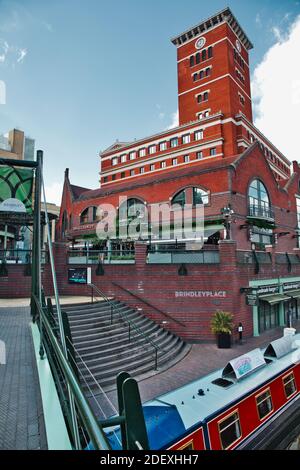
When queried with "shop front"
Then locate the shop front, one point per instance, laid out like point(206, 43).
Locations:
point(275, 302)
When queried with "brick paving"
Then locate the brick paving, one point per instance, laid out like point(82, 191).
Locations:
point(21, 418)
point(202, 359)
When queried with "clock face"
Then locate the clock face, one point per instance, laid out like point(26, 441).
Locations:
point(238, 45)
point(200, 43)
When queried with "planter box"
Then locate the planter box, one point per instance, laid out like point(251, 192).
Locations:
point(224, 341)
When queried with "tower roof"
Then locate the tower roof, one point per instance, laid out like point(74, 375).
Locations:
point(201, 28)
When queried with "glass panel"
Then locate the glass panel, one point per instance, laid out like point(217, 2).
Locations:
point(264, 404)
point(199, 196)
point(289, 385)
point(230, 430)
point(179, 198)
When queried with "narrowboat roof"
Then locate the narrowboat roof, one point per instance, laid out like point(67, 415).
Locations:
point(200, 399)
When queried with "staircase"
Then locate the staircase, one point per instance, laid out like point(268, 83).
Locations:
point(106, 350)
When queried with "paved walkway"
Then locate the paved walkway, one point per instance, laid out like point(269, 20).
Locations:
point(21, 418)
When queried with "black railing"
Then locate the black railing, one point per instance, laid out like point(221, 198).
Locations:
point(172, 255)
point(261, 212)
point(133, 329)
point(16, 256)
point(86, 256)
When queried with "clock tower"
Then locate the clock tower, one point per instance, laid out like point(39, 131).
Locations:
point(213, 69)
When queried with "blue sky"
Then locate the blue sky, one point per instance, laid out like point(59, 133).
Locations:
point(80, 74)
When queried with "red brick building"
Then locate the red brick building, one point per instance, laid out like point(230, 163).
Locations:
point(216, 156)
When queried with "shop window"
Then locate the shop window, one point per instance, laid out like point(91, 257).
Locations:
point(230, 430)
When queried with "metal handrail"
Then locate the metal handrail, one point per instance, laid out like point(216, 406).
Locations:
point(129, 323)
point(85, 412)
point(146, 302)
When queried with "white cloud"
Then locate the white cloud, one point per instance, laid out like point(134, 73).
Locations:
point(22, 54)
point(276, 92)
point(10, 54)
point(175, 120)
point(54, 192)
point(258, 20)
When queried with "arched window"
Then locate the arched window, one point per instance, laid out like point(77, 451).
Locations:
point(132, 210)
point(191, 195)
point(210, 52)
point(84, 217)
point(192, 61)
point(198, 58)
point(259, 202)
point(205, 96)
point(204, 54)
point(202, 74)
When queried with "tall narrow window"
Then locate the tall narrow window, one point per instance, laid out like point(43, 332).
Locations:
point(210, 52)
point(199, 135)
point(192, 61)
point(174, 142)
point(205, 96)
point(186, 139)
point(201, 74)
point(198, 58)
point(204, 54)
point(213, 152)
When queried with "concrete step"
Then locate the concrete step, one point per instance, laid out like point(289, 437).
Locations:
point(100, 331)
point(135, 369)
point(94, 351)
point(146, 351)
point(115, 338)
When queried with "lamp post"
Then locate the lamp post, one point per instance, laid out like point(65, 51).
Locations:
point(227, 213)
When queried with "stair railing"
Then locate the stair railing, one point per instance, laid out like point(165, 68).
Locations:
point(132, 327)
point(85, 412)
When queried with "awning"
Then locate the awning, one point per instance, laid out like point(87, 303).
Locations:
point(294, 293)
point(274, 298)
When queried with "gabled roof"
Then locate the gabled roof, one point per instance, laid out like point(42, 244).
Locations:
point(117, 145)
point(77, 191)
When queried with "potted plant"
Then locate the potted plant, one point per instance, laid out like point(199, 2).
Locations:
point(222, 326)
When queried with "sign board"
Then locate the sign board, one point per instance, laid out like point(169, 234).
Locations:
point(202, 294)
point(251, 299)
point(77, 275)
point(16, 186)
point(291, 286)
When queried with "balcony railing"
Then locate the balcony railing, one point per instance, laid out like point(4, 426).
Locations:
point(101, 256)
point(260, 212)
point(179, 256)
